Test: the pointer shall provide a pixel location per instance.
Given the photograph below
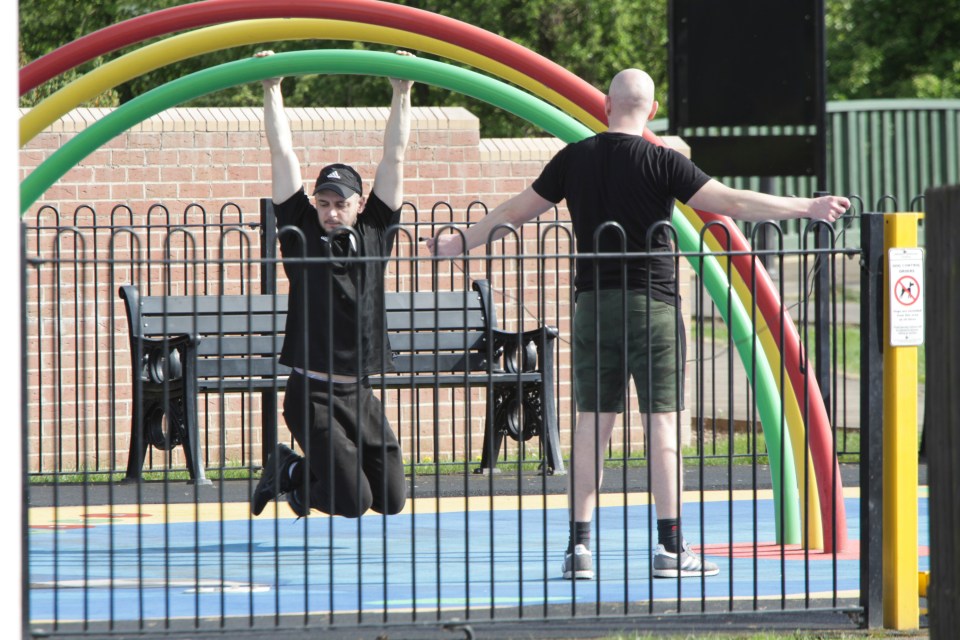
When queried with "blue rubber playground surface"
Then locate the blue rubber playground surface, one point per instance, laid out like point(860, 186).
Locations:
point(210, 560)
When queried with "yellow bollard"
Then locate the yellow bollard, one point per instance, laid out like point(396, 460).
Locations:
point(901, 607)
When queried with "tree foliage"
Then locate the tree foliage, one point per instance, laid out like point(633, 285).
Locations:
point(591, 38)
point(893, 49)
point(876, 48)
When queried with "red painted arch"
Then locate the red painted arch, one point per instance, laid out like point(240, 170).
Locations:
point(511, 54)
point(805, 386)
point(401, 17)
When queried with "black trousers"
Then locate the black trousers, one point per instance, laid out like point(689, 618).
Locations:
point(353, 458)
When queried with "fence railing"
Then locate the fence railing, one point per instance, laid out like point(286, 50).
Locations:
point(161, 554)
point(78, 358)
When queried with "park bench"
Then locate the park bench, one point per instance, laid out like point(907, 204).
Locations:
point(184, 346)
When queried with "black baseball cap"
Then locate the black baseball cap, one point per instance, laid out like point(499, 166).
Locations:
point(340, 178)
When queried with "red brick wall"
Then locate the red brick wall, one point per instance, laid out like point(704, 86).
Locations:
point(193, 161)
point(210, 156)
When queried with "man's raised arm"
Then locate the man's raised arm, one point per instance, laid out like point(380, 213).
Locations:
point(388, 182)
point(285, 166)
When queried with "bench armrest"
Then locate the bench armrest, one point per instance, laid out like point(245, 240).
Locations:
point(160, 359)
point(530, 350)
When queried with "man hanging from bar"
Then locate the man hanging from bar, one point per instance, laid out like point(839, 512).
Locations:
point(335, 333)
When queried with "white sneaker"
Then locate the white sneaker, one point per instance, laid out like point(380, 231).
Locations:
point(689, 565)
point(579, 564)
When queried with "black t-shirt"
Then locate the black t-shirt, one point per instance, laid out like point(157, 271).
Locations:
point(335, 317)
point(621, 178)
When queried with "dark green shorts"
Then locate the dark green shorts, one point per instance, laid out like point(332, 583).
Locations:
point(618, 356)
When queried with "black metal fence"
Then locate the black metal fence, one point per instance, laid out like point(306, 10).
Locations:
point(162, 554)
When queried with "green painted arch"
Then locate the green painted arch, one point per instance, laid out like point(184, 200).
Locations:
point(464, 81)
point(335, 61)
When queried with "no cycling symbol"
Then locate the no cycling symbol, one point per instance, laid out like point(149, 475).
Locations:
point(907, 290)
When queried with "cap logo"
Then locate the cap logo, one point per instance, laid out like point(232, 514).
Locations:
point(334, 174)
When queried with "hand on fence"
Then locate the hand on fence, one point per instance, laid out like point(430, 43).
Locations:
point(828, 208)
point(447, 245)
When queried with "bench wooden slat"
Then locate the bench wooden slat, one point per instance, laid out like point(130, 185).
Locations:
point(390, 381)
point(402, 341)
point(397, 321)
point(234, 345)
point(405, 320)
point(259, 303)
point(238, 384)
point(437, 363)
point(212, 305)
point(239, 345)
point(240, 368)
point(430, 300)
point(476, 380)
point(406, 363)
point(212, 325)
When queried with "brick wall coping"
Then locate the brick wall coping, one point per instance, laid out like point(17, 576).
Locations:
point(250, 119)
point(226, 119)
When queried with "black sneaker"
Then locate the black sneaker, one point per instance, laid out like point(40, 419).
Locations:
point(578, 565)
point(275, 479)
point(295, 502)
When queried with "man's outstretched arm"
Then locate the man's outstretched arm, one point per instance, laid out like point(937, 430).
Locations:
point(521, 208)
point(743, 204)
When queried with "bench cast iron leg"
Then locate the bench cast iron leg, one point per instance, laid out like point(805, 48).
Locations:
point(138, 449)
point(492, 439)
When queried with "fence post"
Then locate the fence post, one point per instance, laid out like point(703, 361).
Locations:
point(821, 312)
point(943, 452)
point(903, 288)
point(763, 238)
point(268, 285)
point(871, 419)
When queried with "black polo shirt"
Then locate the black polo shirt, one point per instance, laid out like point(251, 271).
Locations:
point(621, 178)
point(335, 318)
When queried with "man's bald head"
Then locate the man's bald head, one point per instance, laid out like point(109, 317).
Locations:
point(632, 89)
point(630, 97)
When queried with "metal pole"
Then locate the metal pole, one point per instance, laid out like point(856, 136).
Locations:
point(943, 454)
point(268, 285)
point(901, 605)
point(763, 237)
point(871, 419)
point(821, 312)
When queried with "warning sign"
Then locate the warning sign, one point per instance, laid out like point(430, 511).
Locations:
point(906, 297)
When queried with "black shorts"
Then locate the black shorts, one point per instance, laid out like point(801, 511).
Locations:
point(655, 362)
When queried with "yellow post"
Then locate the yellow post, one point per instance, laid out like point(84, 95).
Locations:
point(901, 607)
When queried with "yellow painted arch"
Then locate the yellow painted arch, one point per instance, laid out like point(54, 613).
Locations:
point(194, 43)
point(247, 32)
point(806, 476)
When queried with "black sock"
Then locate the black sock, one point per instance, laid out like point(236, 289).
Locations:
point(668, 534)
point(579, 534)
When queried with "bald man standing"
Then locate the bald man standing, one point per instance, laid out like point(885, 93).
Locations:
point(620, 190)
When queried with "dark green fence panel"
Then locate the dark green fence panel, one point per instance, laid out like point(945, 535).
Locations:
point(893, 147)
point(877, 148)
